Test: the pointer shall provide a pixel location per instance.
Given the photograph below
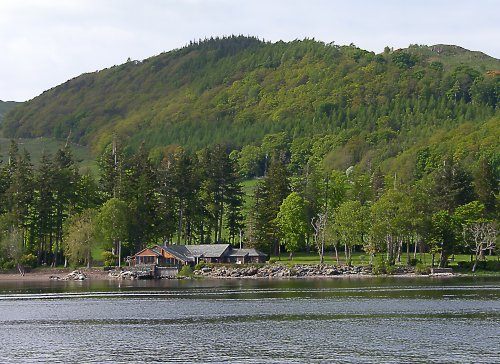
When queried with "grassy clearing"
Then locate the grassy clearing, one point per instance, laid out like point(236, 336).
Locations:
point(361, 258)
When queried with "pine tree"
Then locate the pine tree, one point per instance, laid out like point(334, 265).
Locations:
point(452, 186)
point(111, 167)
point(139, 187)
point(271, 193)
point(486, 185)
point(44, 207)
point(166, 199)
point(21, 194)
point(64, 187)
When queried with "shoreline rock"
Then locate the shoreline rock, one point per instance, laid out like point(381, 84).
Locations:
point(287, 271)
point(76, 275)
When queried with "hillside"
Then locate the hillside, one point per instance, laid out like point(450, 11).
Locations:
point(5, 107)
point(237, 90)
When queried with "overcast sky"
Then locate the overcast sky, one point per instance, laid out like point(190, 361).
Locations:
point(46, 42)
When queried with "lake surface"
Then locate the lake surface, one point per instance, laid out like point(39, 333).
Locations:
point(379, 320)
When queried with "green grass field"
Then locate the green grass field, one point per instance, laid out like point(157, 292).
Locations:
point(360, 258)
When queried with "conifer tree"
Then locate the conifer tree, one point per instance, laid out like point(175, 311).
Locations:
point(486, 185)
point(44, 207)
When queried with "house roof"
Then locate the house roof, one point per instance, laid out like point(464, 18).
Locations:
point(251, 252)
point(153, 250)
point(237, 253)
point(208, 250)
point(189, 253)
point(179, 251)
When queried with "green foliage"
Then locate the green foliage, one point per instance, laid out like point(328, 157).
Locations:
point(485, 265)
point(80, 236)
point(379, 266)
point(112, 220)
point(28, 260)
point(109, 258)
point(241, 91)
point(292, 220)
point(186, 271)
point(5, 107)
point(421, 269)
point(443, 234)
point(390, 269)
point(200, 265)
point(410, 135)
point(413, 262)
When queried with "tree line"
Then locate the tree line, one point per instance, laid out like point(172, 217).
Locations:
point(55, 212)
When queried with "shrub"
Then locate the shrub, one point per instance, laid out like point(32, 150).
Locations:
point(493, 265)
point(465, 265)
point(414, 262)
point(379, 266)
point(9, 264)
point(421, 269)
point(186, 271)
point(28, 260)
point(109, 259)
point(200, 265)
point(272, 261)
point(390, 269)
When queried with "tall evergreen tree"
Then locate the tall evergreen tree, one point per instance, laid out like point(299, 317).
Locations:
point(271, 193)
point(21, 194)
point(64, 187)
point(44, 207)
point(452, 186)
point(486, 185)
point(139, 192)
point(111, 167)
point(166, 199)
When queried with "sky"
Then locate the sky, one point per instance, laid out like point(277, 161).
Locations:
point(43, 43)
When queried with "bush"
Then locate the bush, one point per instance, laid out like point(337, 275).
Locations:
point(493, 265)
point(109, 259)
point(465, 265)
point(379, 266)
point(272, 261)
point(8, 265)
point(200, 265)
point(414, 262)
point(28, 260)
point(186, 271)
point(421, 269)
point(390, 269)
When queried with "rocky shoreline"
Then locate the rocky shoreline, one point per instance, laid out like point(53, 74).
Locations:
point(286, 271)
point(213, 271)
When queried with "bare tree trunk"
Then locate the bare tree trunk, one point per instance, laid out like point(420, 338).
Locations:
point(407, 251)
point(336, 254)
point(415, 250)
point(179, 231)
point(400, 244)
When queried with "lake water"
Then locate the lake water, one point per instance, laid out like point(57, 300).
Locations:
point(379, 320)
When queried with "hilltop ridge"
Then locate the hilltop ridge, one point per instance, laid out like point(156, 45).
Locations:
point(236, 90)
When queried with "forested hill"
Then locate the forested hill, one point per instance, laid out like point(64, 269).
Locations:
point(239, 89)
point(6, 106)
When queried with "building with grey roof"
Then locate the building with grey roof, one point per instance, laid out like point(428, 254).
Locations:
point(178, 255)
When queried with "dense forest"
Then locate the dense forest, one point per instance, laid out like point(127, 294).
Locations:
point(368, 108)
point(299, 146)
point(5, 107)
